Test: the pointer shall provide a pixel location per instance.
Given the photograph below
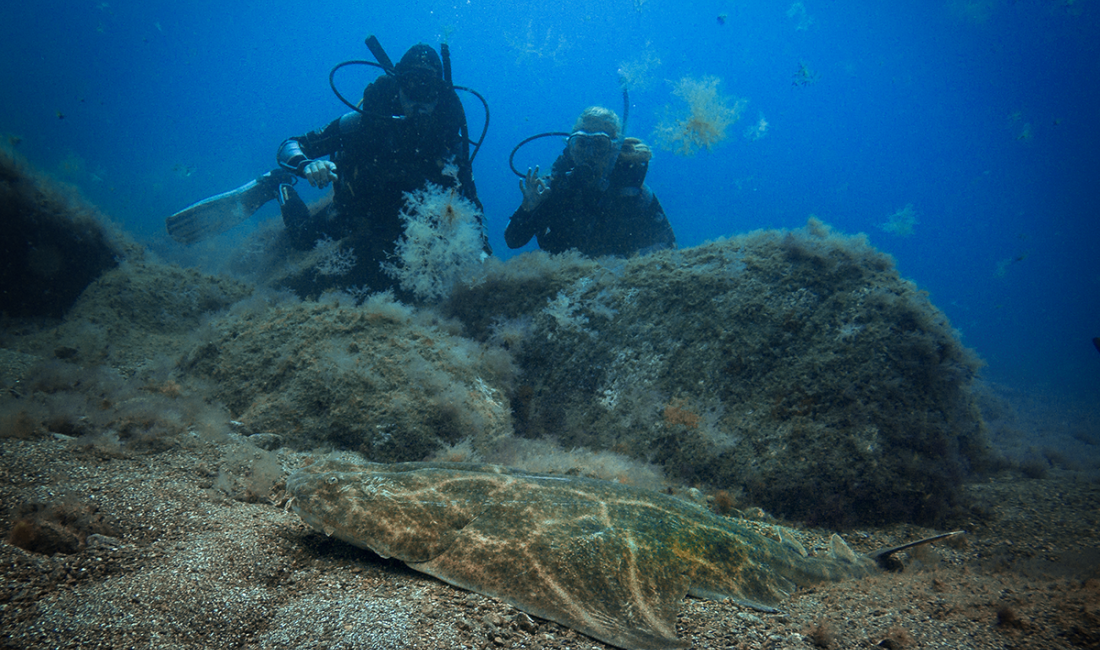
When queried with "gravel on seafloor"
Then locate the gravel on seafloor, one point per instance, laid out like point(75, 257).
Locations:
point(159, 557)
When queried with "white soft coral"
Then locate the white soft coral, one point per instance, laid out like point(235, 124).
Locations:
point(443, 241)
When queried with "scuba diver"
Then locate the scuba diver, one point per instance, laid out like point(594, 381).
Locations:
point(410, 129)
point(595, 199)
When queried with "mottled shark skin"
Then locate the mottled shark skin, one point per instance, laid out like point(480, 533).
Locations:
point(611, 561)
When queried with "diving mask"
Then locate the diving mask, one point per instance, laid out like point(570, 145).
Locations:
point(586, 146)
point(594, 155)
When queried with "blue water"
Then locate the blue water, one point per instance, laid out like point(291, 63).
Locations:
point(984, 115)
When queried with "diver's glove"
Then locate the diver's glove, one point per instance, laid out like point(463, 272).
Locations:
point(320, 173)
point(535, 189)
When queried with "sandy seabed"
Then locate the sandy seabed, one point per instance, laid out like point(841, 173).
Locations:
point(166, 559)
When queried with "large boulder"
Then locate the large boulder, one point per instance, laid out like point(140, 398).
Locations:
point(380, 378)
point(53, 243)
point(794, 366)
point(133, 314)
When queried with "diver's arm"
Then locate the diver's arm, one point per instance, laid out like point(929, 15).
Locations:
point(299, 154)
point(291, 157)
point(662, 233)
point(530, 218)
point(319, 173)
point(522, 227)
point(535, 189)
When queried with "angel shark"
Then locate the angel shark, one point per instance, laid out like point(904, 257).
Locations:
point(611, 561)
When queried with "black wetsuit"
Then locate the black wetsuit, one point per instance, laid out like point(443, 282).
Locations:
point(378, 158)
point(625, 219)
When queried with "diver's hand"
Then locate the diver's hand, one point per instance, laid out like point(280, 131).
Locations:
point(320, 173)
point(535, 189)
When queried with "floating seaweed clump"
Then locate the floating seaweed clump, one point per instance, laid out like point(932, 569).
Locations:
point(707, 119)
point(901, 222)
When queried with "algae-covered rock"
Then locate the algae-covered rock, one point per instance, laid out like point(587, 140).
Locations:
point(797, 366)
point(156, 298)
point(53, 243)
point(135, 313)
point(375, 378)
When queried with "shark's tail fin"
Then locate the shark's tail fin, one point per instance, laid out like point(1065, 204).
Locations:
point(884, 556)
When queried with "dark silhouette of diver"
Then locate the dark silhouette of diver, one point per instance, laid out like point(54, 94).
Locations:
point(409, 130)
point(407, 133)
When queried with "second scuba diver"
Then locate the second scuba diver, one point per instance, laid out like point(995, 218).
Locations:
point(595, 199)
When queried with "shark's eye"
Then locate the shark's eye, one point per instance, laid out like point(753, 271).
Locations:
point(332, 480)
